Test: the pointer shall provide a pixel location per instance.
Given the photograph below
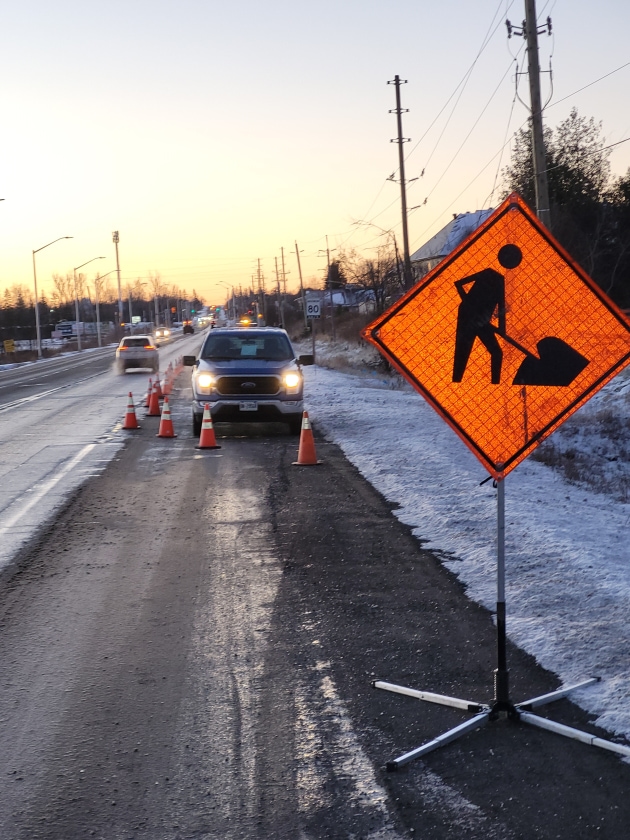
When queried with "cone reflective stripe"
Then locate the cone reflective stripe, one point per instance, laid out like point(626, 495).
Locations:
point(166, 424)
point(306, 452)
point(154, 404)
point(207, 439)
point(131, 421)
point(147, 399)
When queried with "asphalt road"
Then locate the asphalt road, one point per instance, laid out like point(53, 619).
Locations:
point(187, 653)
point(25, 381)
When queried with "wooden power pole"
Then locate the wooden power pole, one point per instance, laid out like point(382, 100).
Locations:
point(530, 30)
point(403, 184)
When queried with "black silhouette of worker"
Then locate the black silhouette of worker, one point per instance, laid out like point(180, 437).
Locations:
point(483, 299)
point(557, 363)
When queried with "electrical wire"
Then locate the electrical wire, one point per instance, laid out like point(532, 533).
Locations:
point(465, 140)
point(462, 84)
point(505, 143)
point(590, 84)
point(467, 187)
point(464, 81)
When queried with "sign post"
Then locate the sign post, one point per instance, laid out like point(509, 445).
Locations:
point(505, 338)
point(313, 312)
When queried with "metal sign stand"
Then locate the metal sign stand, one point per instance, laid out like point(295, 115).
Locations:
point(501, 705)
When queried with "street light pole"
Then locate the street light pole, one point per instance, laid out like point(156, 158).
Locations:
point(76, 298)
point(38, 331)
point(297, 254)
point(97, 291)
point(116, 240)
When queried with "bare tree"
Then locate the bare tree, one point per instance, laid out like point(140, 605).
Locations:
point(63, 293)
point(377, 273)
point(157, 289)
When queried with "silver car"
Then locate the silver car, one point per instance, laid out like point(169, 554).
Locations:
point(137, 351)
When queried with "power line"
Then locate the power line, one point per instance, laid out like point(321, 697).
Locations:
point(579, 90)
point(464, 81)
point(465, 140)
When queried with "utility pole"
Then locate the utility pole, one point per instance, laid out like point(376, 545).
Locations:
point(261, 293)
point(403, 184)
point(531, 31)
point(297, 254)
point(400, 279)
point(284, 276)
point(116, 239)
point(332, 305)
point(280, 306)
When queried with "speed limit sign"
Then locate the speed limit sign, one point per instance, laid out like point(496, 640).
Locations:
point(313, 309)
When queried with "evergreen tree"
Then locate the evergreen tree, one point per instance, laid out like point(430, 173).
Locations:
point(335, 277)
point(588, 214)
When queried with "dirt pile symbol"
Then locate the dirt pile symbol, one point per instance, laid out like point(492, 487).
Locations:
point(482, 304)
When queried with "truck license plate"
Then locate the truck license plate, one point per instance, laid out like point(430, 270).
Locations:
point(248, 406)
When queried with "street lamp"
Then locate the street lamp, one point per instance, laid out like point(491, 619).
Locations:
point(76, 298)
point(38, 331)
point(116, 240)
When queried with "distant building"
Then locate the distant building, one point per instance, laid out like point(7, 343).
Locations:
point(441, 245)
point(349, 297)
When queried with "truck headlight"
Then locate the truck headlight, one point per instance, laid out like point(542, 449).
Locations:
point(292, 381)
point(205, 381)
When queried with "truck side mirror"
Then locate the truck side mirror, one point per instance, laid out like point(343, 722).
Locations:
point(308, 359)
point(189, 361)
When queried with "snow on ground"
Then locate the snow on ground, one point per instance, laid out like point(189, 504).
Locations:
point(567, 542)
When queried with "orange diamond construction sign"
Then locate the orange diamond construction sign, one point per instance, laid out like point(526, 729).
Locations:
point(505, 338)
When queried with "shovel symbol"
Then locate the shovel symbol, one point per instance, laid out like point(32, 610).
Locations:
point(483, 295)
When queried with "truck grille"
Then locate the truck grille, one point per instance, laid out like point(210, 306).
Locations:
point(248, 386)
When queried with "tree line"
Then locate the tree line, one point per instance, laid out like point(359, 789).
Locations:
point(149, 298)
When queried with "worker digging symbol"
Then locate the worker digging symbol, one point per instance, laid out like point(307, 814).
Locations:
point(557, 362)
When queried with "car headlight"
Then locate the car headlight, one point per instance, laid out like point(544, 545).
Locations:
point(292, 381)
point(205, 381)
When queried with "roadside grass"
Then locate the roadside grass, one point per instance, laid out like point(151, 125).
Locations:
point(592, 449)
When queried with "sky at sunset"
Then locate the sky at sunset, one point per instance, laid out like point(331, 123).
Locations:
point(212, 135)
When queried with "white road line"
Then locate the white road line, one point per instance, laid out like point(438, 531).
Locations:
point(45, 488)
point(25, 400)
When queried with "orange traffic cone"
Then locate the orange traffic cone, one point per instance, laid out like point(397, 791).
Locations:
point(158, 387)
point(147, 398)
point(306, 452)
point(131, 421)
point(166, 424)
point(154, 404)
point(207, 440)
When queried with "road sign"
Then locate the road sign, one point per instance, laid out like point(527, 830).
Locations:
point(313, 309)
point(9, 345)
point(505, 338)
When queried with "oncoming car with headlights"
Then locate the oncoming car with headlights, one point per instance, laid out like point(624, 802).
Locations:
point(162, 334)
point(248, 376)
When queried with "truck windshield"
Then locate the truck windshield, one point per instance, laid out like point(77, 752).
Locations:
point(246, 345)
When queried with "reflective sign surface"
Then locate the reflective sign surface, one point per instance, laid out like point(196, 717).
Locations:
point(506, 337)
